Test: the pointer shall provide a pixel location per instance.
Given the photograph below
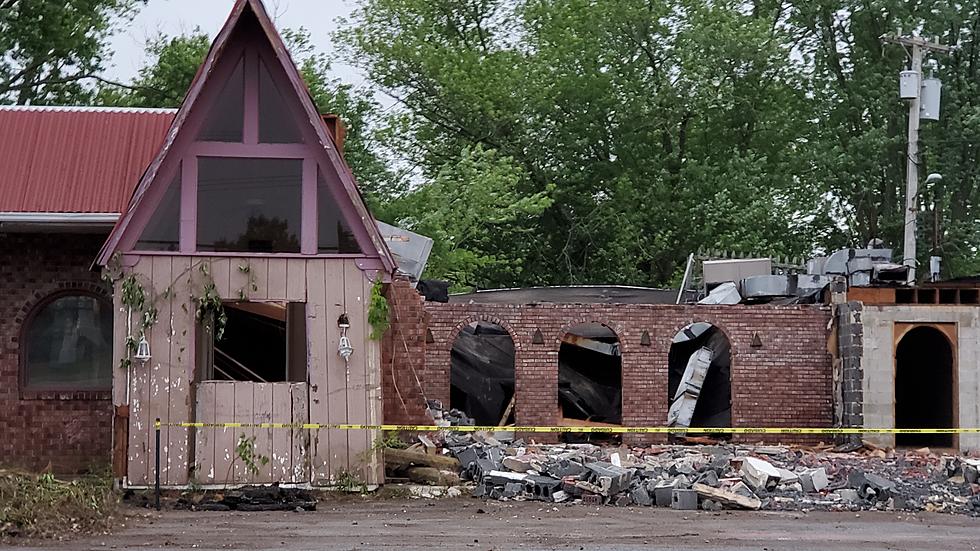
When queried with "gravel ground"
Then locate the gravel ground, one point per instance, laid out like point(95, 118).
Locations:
point(467, 523)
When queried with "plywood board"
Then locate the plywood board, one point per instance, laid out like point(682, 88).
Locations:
point(336, 368)
point(260, 278)
point(296, 280)
point(317, 365)
point(359, 445)
point(159, 339)
point(224, 438)
point(244, 397)
point(300, 445)
point(221, 274)
point(262, 413)
point(276, 288)
point(181, 335)
point(282, 441)
point(204, 471)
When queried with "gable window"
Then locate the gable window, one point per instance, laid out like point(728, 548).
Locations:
point(67, 344)
point(162, 230)
point(249, 205)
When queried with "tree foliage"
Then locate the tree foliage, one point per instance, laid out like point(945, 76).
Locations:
point(53, 51)
point(766, 126)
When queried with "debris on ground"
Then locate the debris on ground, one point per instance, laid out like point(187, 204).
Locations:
point(42, 506)
point(715, 476)
point(251, 498)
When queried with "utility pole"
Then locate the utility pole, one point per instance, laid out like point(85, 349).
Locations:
point(916, 44)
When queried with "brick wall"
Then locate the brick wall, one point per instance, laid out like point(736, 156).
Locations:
point(68, 431)
point(786, 381)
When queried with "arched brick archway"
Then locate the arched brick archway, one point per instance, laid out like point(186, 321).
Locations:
point(590, 374)
point(482, 375)
point(708, 402)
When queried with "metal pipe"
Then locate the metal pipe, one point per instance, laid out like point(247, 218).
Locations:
point(157, 461)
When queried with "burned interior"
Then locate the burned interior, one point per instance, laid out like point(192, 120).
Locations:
point(262, 342)
point(590, 375)
point(699, 388)
point(924, 387)
point(482, 374)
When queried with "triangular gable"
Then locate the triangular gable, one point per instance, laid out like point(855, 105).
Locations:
point(333, 173)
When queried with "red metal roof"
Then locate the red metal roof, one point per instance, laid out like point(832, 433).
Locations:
point(76, 159)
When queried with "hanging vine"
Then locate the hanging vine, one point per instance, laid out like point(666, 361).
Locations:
point(210, 309)
point(378, 311)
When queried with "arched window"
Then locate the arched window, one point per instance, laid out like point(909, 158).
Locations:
point(67, 344)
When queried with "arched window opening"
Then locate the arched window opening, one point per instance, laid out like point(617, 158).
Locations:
point(590, 377)
point(67, 344)
point(481, 378)
point(924, 387)
point(699, 391)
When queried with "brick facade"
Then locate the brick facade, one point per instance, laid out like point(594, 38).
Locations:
point(785, 381)
point(70, 431)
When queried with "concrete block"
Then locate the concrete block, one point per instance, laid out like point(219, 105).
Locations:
point(787, 476)
point(662, 495)
point(814, 480)
point(541, 487)
point(759, 474)
point(848, 495)
point(513, 489)
point(641, 496)
point(684, 500)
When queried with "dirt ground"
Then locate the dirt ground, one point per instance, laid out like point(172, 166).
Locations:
point(467, 523)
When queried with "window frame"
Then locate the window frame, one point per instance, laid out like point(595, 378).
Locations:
point(22, 350)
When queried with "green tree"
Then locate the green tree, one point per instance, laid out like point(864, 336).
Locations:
point(55, 50)
point(478, 220)
point(164, 80)
point(665, 126)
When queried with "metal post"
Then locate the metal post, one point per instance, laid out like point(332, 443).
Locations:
point(157, 462)
point(912, 173)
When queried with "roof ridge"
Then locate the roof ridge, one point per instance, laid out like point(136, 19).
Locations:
point(87, 109)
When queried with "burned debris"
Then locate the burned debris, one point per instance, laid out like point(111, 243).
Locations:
point(482, 374)
point(590, 375)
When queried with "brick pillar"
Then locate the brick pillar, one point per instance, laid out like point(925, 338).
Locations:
point(403, 357)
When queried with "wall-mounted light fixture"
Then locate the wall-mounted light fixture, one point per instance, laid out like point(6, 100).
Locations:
point(142, 350)
point(345, 349)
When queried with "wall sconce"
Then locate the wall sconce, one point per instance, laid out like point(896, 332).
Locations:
point(142, 350)
point(345, 349)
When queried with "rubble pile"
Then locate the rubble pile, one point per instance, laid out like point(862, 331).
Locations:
point(714, 477)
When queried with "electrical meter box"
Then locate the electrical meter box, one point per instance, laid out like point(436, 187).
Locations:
point(908, 84)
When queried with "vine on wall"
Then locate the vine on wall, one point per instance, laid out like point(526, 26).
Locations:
point(378, 311)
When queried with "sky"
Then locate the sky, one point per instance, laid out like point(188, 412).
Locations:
point(173, 17)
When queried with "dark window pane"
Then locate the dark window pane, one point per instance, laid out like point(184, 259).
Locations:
point(334, 233)
point(224, 119)
point(69, 345)
point(249, 204)
point(162, 232)
point(276, 122)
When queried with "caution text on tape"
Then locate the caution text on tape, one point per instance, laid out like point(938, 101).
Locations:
point(563, 429)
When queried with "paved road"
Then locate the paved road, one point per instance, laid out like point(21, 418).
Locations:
point(465, 523)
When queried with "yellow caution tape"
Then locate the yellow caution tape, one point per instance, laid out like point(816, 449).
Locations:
point(601, 430)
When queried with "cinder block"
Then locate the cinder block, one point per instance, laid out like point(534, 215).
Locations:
point(684, 500)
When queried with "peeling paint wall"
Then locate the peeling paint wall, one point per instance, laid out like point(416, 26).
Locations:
point(164, 386)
